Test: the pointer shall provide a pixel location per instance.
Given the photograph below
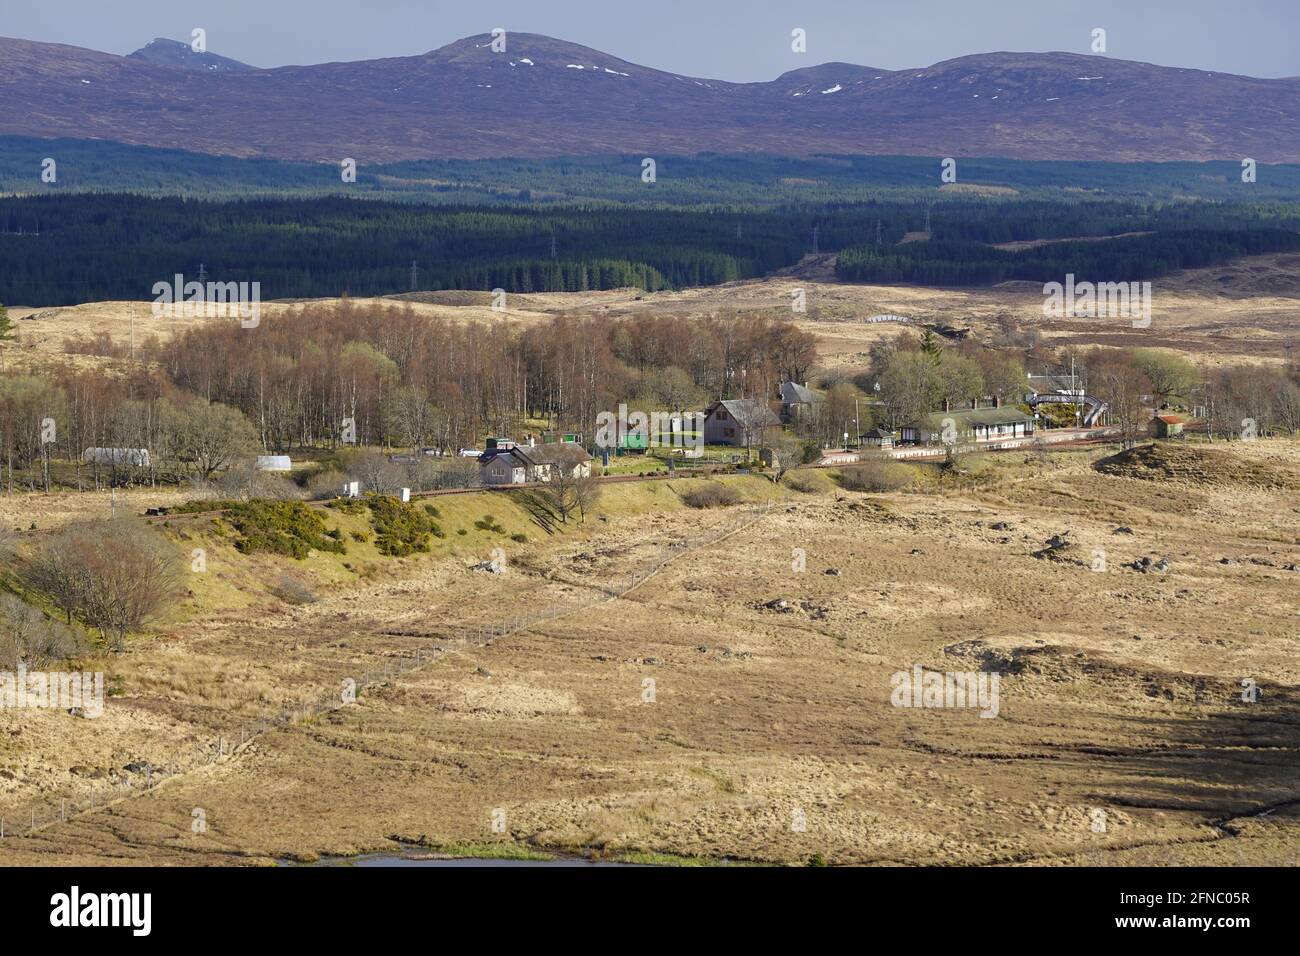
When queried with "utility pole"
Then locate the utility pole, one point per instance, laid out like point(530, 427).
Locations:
point(203, 274)
point(131, 312)
point(1078, 399)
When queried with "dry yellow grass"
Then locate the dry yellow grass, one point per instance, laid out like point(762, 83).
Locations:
point(1121, 690)
point(1243, 311)
point(1121, 694)
point(23, 509)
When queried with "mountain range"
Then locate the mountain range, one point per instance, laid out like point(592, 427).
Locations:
point(546, 97)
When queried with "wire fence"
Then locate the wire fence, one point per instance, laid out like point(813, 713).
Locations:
point(146, 776)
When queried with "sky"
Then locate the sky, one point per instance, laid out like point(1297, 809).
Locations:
point(737, 40)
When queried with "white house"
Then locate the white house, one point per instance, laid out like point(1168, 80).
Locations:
point(518, 464)
point(970, 425)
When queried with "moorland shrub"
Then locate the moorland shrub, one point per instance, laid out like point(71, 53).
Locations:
point(289, 528)
point(489, 523)
point(400, 528)
point(875, 476)
point(711, 494)
point(808, 482)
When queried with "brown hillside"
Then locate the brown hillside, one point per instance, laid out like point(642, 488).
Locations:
point(1196, 465)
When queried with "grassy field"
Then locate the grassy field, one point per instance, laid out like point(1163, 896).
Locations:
point(1121, 737)
point(768, 735)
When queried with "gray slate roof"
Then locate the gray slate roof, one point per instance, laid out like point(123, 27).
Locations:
point(750, 412)
point(792, 393)
point(970, 417)
point(545, 454)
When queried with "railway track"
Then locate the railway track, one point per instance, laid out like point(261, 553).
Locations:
point(168, 516)
point(938, 454)
point(164, 516)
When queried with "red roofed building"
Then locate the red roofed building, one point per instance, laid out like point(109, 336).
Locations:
point(1167, 426)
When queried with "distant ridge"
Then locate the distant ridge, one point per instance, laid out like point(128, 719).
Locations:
point(166, 52)
point(546, 97)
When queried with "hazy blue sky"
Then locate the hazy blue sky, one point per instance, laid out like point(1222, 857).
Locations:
point(727, 39)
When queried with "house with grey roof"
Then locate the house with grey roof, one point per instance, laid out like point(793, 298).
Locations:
point(739, 422)
point(798, 401)
point(878, 438)
point(511, 464)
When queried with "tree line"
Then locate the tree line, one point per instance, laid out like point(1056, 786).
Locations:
point(1124, 259)
point(62, 249)
point(910, 376)
point(66, 249)
point(403, 378)
point(722, 179)
point(56, 417)
point(332, 375)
